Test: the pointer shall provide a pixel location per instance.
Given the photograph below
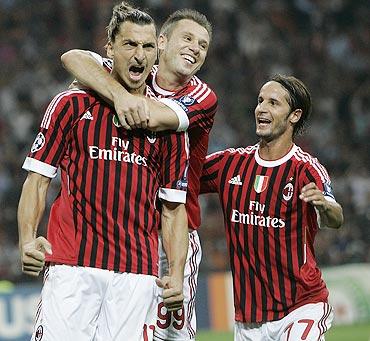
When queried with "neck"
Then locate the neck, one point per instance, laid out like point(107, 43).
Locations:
point(274, 149)
point(138, 91)
point(170, 81)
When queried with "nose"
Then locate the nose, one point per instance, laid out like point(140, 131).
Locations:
point(139, 54)
point(195, 47)
point(260, 107)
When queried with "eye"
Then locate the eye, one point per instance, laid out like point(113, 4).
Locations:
point(129, 44)
point(187, 38)
point(149, 46)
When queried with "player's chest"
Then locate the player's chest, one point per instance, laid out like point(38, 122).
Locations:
point(100, 137)
point(256, 190)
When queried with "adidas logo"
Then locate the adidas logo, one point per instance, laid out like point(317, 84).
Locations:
point(236, 180)
point(87, 116)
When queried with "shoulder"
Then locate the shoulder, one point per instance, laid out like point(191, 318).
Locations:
point(234, 152)
point(311, 164)
point(201, 91)
point(62, 106)
point(242, 151)
point(66, 96)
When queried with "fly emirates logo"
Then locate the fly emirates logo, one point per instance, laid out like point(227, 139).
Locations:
point(256, 217)
point(118, 152)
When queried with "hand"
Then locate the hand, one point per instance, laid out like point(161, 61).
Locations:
point(33, 256)
point(132, 111)
point(312, 194)
point(173, 297)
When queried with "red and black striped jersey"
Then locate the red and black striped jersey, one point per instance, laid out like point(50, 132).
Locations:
point(199, 103)
point(270, 231)
point(195, 105)
point(105, 215)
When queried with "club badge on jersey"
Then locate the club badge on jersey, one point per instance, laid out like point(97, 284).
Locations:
point(288, 191)
point(151, 136)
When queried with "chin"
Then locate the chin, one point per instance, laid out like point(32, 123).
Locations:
point(263, 135)
point(185, 71)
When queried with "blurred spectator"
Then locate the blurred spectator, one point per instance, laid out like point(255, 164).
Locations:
point(324, 42)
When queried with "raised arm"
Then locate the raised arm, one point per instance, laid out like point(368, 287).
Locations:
point(30, 211)
point(133, 111)
point(175, 238)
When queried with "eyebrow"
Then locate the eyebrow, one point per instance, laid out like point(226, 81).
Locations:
point(138, 42)
point(201, 40)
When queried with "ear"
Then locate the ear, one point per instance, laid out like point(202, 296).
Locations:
point(295, 116)
point(110, 50)
point(162, 42)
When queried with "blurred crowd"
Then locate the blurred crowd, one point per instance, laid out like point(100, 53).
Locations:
point(326, 43)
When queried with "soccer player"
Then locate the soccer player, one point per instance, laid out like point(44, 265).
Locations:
point(183, 45)
point(102, 242)
point(274, 197)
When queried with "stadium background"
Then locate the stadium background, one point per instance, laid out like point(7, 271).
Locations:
point(326, 43)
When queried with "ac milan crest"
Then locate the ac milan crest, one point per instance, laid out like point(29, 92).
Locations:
point(288, 191)
point(39, 333)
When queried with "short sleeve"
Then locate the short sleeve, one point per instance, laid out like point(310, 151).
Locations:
point(175, 163)
point(210, 172)
point(53, 136)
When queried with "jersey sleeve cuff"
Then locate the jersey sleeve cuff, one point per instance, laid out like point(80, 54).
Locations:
point(172, 195)
point(180, 113)
point(39, 167)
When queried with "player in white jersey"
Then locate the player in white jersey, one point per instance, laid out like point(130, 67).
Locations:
point(183, 43)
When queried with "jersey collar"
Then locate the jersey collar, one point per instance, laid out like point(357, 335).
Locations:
point(157, 88)
point(274, 163)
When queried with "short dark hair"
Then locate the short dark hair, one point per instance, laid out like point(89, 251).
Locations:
point(124, 12)
point(189, 14)
point(299, 98)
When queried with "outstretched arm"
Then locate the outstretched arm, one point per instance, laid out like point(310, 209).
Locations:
point(331, 213)
point(175, 238)
point(30, 211)
point(133, 111)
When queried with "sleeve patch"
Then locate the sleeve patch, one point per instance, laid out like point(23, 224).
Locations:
point(328, 190)
point(187, 100)
point(182, 184)
point(38, 143)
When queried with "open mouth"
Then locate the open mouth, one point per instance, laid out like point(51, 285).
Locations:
point(189, 58)
point(136, 72)
point(263, 121)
